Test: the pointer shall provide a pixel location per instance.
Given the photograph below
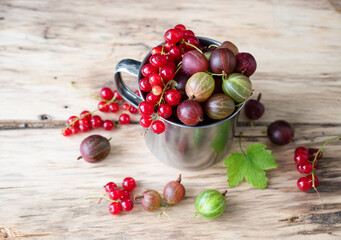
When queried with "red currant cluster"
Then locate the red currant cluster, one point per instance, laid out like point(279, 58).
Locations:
point(120, 197)
point(306, 165)
point(107, 103)
point(158, 73)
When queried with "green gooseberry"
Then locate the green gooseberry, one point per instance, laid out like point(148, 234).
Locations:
point(210, 203)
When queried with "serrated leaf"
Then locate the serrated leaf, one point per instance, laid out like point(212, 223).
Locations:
point(261, 157)
point(250, 166)
point(235, 171)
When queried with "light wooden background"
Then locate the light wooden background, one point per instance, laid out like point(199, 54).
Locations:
point(44, 45)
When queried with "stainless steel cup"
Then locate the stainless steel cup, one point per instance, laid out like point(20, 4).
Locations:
point(181, 146)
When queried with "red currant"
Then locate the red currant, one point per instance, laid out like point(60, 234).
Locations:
point(301, 150)
point(188, 33)
point(167, 73)
point(148, 69)
point(133, 110)
point(113, 107)
point(191, 40)
point(127, 205)
point(146, 121)
point(115, 194)
point(83, 121)
point(310, 179)
point(86, 114)
point(305, 168)
point(84, 128)
point(151, 98)
point(75, 129)
point(156, 50)
point(165, 110)
point(124, 118)
point(137, 92)
point(167, 46)
point(312, 152)
point(175, 52)
point(156, 90)
point(96, 121)
point(155, 80)
point(103, 107)
point(108, 125)
point(125, 106)
point(145, 85)
point(110, 186)
point(301, 158)
point(146, 108)
point(182, 47)
point(157, 60)
point(172, 97)
point(158, 127)
point(117, 95)
point(129, 184)
point(181, 34)
point(180, 27)
point(66, 132)
point(172, 36)
point(107, 93)
point(303, 184)
point(170, 60)
point(125, 194)
point(115, 208)
point(71, 120)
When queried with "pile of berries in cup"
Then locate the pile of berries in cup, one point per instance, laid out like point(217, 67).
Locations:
point(305, 159)
point(120, 198)
point(109, 103)
point(187, 82)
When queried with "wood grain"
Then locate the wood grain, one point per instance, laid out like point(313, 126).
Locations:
point(41, 192)
point(296, 44)
point(44, 45)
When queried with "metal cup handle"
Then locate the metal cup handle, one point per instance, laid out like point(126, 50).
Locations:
point(132, 67)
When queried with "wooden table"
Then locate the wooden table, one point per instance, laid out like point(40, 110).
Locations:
point(44, 45)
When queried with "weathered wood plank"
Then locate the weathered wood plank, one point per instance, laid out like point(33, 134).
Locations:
point(296, 44)
point(44, 45)
point(42, 185)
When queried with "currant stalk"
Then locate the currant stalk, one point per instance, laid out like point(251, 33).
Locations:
point(90, 113)
point(315, 158)
point(195, 47)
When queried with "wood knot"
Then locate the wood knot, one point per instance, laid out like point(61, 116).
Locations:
point(45, 117)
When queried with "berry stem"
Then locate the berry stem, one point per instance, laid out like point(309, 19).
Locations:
point(315, 158)
point(240, 143)
point(164, 212)
point(137, 197)
point(193, 46)
point(259, 97)
point(76, 119)
point(84, 93)
point(163, 91)
point(251, 122)
point(162, 52)
point(224, 193)
point(178, 67)
point(214, 74)
point(213, 45)
point(239, 104)
point(99, 196)
point(179, 178)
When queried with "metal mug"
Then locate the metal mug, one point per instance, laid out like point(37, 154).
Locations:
point(181, 146)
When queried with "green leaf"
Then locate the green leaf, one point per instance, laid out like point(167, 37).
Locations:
point(250, 166)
